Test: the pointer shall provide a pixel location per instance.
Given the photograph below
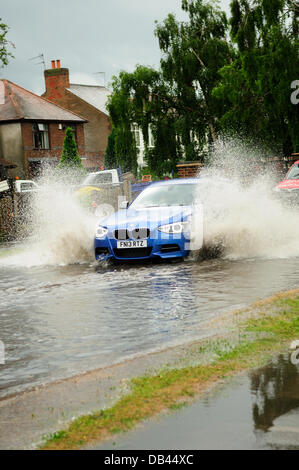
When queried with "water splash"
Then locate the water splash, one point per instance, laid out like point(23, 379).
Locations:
point(61, 226)
point(243, 218)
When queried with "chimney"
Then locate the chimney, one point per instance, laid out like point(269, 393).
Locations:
point(56, 81)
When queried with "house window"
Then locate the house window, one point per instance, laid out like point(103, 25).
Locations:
point(40, 136)
point(150, 137)
point(136, 133)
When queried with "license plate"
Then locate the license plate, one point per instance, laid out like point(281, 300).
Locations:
point(132, 244)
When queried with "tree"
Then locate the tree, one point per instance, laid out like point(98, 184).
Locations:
point(193, 52)
point(110, 155)
point(4, 43)
point(143, 99)
point(70, 158)
point(255, 88)
point(216, 77)
point(176, 102)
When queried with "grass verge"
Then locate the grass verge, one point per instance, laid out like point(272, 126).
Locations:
point(268, 328)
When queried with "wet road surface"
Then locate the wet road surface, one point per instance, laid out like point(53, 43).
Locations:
point(56, 321)
point(256, 411)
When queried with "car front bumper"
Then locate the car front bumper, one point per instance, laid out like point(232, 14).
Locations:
point(163, 245)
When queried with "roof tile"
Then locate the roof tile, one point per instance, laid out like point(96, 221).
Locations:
point(16, 103)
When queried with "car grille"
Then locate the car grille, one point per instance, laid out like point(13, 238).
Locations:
point(136, 234)
point(132, 252)
point(121, 234)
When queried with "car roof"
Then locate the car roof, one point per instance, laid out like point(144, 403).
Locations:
point(176, 181)
point(101, 171)
point(25, 181)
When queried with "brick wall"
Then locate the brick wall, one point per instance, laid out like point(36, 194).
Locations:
point(56, 138)
point(188, 170)
point(278, 165)
point(98, 127)
point(56, 81)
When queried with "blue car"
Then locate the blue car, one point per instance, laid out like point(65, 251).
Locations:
point(156, 224)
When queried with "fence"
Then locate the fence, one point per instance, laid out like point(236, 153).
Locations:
point(15, 210)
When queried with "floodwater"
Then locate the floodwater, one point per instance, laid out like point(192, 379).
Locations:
point(61, 315)
point(257, 411)
point(57, 321)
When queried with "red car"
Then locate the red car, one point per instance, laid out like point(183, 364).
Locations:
point(289, 186)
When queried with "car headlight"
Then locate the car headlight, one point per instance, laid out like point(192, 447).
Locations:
point(177, 227)
point(101, 232)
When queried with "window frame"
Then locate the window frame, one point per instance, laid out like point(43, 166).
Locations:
point(39, 134)
point(136, 133)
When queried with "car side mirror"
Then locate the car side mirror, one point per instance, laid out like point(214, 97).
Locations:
point(123, 205)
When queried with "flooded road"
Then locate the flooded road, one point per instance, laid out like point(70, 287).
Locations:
point(259, 410)
point(56, 321)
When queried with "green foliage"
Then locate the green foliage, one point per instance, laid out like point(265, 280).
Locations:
point(255, 88)
point(140, 98)
point(147, 171)
point(193, 52)
point(110, 155)
point(70, 158)
point(216, 77)
point(176, 102)
point(4, 43)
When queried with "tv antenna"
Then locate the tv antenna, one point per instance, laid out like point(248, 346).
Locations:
point(42, 60)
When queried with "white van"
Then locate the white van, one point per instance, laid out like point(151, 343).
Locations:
point(25, 186)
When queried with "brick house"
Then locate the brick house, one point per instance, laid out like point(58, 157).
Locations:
point(32, 130)
point(88, 101)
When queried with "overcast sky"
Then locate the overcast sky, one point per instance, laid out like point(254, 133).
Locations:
point(88, 36)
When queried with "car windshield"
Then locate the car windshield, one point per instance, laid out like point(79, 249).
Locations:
point(294, 173)
point(166, 195)
point(99, 178)
point(27, 186)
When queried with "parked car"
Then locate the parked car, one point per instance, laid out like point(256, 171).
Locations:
point(157, 224)
point(288, 188)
